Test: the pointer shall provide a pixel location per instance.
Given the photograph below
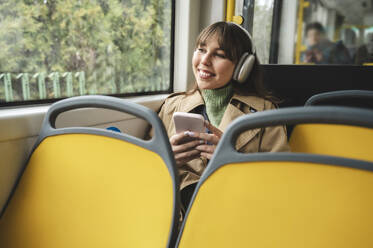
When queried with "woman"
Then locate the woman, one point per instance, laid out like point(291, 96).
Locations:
point(220, 98)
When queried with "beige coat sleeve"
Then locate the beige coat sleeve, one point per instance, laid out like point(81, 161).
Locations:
point(165, 114)
point(150, 130)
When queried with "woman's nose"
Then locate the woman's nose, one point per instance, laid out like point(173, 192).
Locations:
point(206, 59)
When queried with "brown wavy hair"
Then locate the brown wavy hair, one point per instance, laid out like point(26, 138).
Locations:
point(234, 41)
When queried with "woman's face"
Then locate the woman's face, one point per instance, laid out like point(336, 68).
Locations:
point(211, 68)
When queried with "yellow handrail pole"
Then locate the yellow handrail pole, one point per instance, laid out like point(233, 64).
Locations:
point(231, 4)
point(237, 19)
point(302, 4)
point(230, 17)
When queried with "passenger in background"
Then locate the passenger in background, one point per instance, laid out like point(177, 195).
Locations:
point(364, 53)
point(321, 50)
point(220, 97)
point(350, 41)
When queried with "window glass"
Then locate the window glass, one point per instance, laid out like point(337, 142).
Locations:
point(326, 32)
point(262, 28)
point(239, 7)
point(62, 48)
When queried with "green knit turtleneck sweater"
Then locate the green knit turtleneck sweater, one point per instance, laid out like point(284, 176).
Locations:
point(216, 101)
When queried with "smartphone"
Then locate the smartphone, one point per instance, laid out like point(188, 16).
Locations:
point(189, 122)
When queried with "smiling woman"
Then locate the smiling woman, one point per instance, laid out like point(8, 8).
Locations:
point(228, 85)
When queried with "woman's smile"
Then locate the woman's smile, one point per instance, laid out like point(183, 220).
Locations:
point(205, 74)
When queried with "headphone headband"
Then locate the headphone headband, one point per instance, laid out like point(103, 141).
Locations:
point(253, 50)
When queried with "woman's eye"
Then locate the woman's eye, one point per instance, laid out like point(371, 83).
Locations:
point(220, 55)
point(201, 50)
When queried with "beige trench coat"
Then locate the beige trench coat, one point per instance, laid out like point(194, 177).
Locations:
point(271, 139)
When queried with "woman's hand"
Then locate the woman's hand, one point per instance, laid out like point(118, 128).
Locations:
point(214, 138)
point(184, 151)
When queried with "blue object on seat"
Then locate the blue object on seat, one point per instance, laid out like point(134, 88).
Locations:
point(115, 129)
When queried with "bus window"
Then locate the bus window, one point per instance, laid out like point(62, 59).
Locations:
point(262, 28)
point(326, 32)
point(259, 23)
point(57, 49)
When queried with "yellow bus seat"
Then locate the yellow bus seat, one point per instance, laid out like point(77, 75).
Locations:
point(352, 141)
point(279, 199)
point(89, 187)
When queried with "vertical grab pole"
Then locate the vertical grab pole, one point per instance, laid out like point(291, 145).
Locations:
point(230, 17)
point(230, 10)
point(299, 47)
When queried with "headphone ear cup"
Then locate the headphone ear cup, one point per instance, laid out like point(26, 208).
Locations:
point(243, 67)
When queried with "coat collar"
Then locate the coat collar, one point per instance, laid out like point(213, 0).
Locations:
point(195, 99)
point(233, 111)
point(252, 101)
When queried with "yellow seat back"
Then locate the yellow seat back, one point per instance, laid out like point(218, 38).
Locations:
point(282, 204)
point(349, 141)
point(93, 188)
point(337, 140)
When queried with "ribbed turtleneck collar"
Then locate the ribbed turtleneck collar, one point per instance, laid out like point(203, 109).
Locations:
point(216, 101)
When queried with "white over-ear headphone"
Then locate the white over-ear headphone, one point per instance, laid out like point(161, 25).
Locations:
point(246, 62)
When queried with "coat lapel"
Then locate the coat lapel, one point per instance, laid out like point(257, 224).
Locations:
point(191, 102)
point(232, 112)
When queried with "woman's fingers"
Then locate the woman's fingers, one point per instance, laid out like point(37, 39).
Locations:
point(213, 129)
point(186, 146)
point(206, 148)
point(185, 149)
point(206, 155)
point(182, 158)
point(208, 137)
point(177, 138)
